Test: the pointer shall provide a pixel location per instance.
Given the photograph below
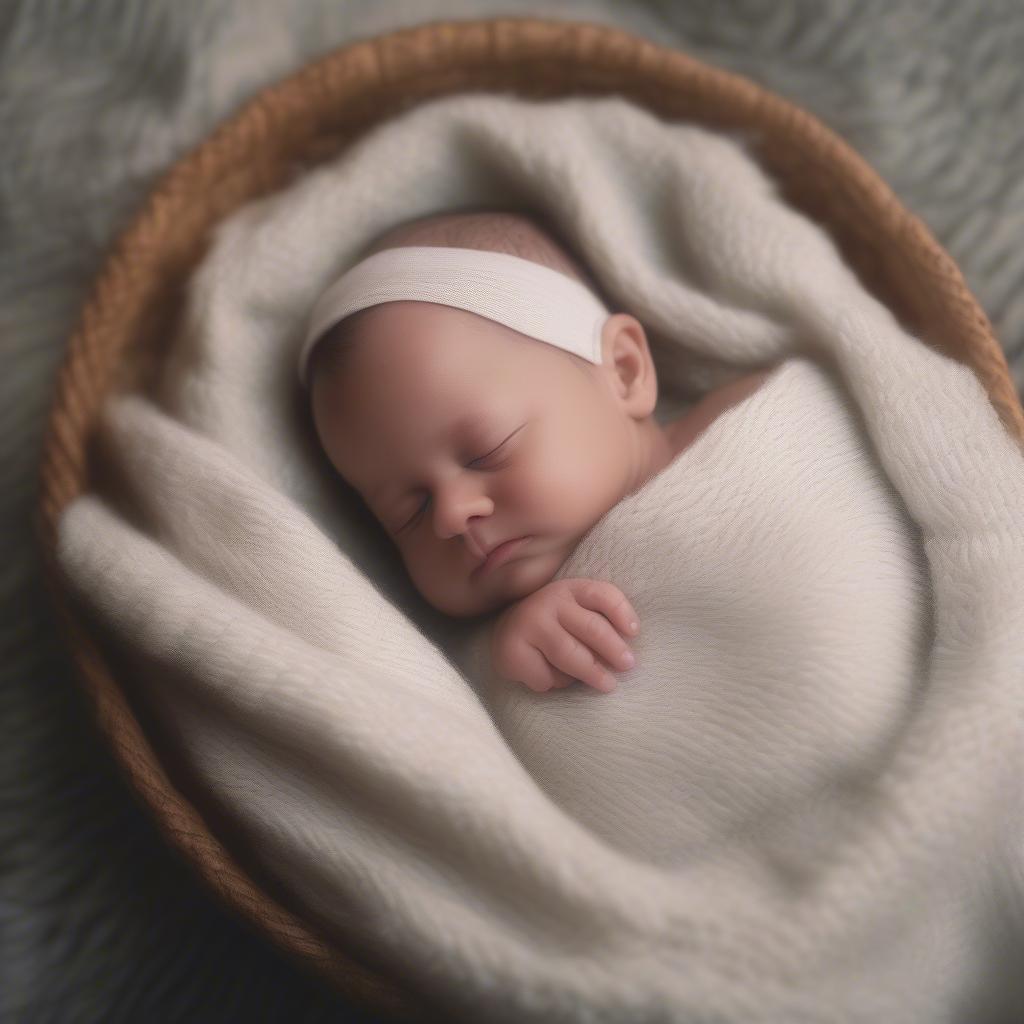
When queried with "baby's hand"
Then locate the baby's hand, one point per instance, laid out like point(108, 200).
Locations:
point(550, 637)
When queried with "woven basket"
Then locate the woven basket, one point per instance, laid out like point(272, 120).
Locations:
point(311, 116)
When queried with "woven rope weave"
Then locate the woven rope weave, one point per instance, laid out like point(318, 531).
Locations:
point(310, 117)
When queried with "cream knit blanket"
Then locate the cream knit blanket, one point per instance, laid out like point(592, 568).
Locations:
point(804, 804)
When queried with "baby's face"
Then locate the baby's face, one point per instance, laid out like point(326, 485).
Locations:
point(460, 434)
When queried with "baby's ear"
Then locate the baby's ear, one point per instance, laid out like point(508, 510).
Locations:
point(627, 357)
point(619, 329)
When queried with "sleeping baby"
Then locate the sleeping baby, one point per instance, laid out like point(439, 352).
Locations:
point(467, 382)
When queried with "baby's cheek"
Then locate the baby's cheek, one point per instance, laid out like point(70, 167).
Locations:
point(585, 494)
point(556, 489)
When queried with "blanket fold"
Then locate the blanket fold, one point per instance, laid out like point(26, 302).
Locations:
point(803, 804)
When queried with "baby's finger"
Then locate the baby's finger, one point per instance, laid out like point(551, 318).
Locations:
point(541, 675)
point(598, 634)
point(559, 678)
point(565, 652)
point(606, 598)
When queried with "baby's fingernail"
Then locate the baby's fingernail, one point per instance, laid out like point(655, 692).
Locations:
point(633, 627)
point(627, 659)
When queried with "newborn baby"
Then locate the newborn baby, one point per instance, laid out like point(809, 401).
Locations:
point(487, 453)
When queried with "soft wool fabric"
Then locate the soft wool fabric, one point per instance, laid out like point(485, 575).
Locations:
point(803, 804)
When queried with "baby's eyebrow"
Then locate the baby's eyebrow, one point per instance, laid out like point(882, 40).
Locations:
point(462, 426)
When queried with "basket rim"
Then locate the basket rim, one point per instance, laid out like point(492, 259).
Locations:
point(384, 74)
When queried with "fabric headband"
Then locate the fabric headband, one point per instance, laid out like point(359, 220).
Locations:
point(534, 300)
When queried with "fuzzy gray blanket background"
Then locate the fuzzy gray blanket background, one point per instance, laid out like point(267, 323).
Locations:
point(99, 919)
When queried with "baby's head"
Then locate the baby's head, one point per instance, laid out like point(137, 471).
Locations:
point(460, 433)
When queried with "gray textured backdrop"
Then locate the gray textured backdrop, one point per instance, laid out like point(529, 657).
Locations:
point(100, 920)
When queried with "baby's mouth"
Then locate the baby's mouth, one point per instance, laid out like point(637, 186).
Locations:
point(499, 554)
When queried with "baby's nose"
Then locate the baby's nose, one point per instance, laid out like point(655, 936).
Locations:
point(455, 509)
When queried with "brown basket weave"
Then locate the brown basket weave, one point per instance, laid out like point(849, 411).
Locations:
point(309, 117)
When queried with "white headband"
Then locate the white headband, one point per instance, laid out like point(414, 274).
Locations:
point(534, 300)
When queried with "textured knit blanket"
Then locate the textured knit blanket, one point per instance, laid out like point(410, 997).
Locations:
point(803, 804)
